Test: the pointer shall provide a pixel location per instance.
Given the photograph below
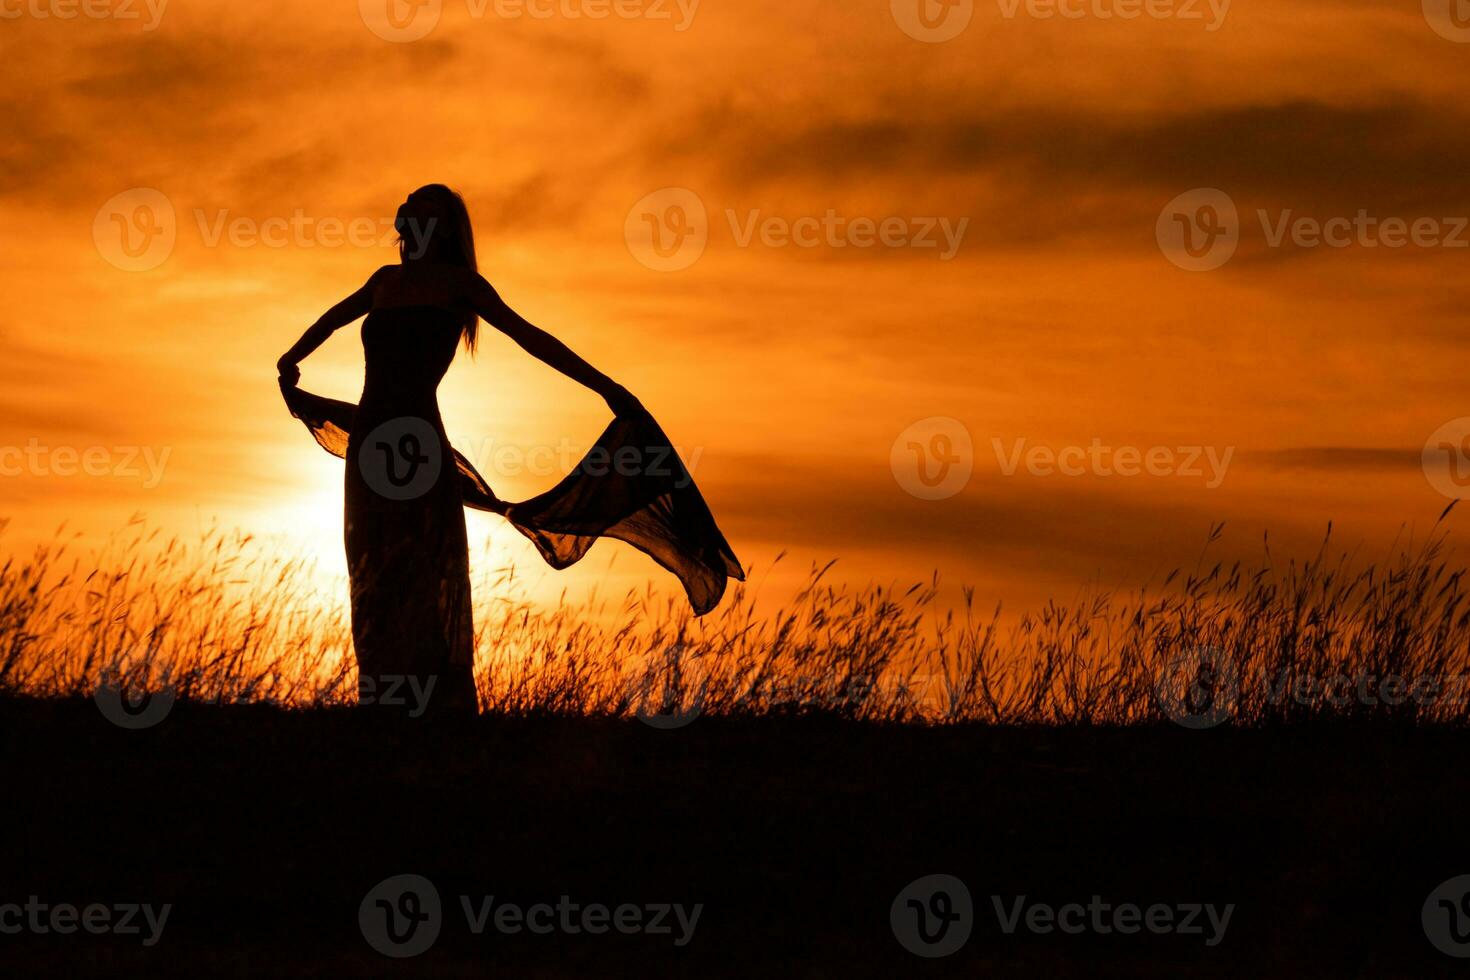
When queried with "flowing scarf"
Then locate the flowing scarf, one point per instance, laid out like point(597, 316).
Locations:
point(631, 485)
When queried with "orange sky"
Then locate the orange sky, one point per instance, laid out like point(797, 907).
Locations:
point(786, 372)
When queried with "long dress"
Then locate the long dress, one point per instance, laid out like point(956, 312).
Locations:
point(406, 487)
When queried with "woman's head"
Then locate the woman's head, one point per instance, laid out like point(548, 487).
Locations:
point(433, 225)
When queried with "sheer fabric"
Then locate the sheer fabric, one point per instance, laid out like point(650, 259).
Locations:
point(631, 486)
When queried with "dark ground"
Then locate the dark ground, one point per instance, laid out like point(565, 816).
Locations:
point(266, 830)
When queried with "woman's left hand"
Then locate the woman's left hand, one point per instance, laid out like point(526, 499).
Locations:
point(290, 373)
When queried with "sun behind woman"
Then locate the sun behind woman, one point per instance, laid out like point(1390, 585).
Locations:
point(405, 487)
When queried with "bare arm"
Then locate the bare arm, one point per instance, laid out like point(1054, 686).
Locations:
point(544, 347)
point(359, 304)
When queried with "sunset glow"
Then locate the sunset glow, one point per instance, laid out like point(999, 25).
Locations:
point(826, 146)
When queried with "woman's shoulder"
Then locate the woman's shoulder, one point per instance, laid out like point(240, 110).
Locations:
point(453, 278)
point(381, 277)
point(448, 286)
point(467, 285)
point(465, 279)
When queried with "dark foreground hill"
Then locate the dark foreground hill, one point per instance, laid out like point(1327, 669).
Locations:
point(280, 842)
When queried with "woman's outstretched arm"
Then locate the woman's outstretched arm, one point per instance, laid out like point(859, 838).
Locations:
point(357, 305)
point(544, 347)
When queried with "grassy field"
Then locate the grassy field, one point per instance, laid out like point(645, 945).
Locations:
point(1242, 770)
point(222, 620)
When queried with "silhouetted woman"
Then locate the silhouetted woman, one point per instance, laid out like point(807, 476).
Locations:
point(407, 553)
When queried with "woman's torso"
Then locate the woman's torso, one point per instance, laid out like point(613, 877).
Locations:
point(409, 340)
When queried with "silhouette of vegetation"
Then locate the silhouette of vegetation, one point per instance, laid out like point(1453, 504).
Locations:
point(224, 619)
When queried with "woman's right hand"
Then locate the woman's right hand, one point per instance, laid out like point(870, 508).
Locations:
point(289, 372)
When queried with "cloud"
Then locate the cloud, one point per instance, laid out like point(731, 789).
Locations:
point(1337, 458)
point(1038, 174)
point(1059, 530)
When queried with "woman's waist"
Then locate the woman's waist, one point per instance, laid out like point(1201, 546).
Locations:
point(394, 395)
point(405, 410)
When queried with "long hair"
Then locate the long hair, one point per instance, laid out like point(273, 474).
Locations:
point(451, 240)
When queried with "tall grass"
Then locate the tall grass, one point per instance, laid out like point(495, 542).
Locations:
point(223, 618)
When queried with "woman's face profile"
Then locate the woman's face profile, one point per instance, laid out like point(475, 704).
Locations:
point(418, 218)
